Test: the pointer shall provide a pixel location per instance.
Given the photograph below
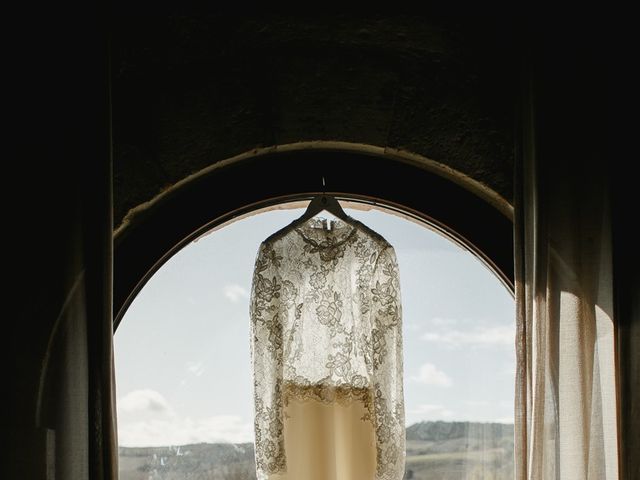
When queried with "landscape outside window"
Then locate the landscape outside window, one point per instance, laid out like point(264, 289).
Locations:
point(183, 360)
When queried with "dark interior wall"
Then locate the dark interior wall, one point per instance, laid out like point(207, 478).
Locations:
point(156, 233)
point(44, 204)
point(189, 92)
point(57, 225)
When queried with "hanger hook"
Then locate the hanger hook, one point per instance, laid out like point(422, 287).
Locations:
point(323, 199)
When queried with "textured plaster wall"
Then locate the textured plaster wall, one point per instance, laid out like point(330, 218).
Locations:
point(189, 92)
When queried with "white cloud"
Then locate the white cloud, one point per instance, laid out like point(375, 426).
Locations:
point(428, 412)
point(144, 401)
point(430, 375)
point(145, 418)
point(195, 368)
point(497, 335)
point(235, 292)
point(181, 431)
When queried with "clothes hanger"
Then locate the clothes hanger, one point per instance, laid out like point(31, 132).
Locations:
point(323, 202)
point(318, 203)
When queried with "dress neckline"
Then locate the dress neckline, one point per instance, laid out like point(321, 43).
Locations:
point(313, 231)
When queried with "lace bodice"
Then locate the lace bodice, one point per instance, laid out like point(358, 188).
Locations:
point(326, 324)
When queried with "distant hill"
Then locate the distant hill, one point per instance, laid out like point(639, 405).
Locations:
point(435, 450)
point(459, 451)
point(436, 431)
point(202, 461)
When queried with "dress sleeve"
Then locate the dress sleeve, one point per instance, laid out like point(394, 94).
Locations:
point(266, 356)
point(386, 324)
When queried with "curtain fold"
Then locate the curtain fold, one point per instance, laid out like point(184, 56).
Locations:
point(565, 380)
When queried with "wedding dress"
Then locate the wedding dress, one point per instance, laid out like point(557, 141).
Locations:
point(326, 347)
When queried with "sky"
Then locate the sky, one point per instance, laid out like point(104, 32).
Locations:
point(182, 349)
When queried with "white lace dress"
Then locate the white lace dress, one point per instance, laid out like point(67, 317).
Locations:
point(326, 346)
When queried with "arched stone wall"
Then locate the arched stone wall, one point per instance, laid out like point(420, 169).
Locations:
point(155, 231)
point(189, 92)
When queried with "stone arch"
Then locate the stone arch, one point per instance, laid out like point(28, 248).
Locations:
point(459, 206)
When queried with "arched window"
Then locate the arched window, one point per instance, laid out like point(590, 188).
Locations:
point(183, 364)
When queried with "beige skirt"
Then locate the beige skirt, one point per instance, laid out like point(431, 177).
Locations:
point(328, 440)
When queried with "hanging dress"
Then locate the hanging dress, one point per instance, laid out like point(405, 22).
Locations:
point(326, 347)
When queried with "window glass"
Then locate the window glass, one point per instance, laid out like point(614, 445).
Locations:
point(183, 360)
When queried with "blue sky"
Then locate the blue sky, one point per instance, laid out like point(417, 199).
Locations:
point(182, 349)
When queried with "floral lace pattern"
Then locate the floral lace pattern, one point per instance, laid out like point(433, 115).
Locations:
point(326, 324)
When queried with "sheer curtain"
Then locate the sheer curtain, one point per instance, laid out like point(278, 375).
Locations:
point(565, 384)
